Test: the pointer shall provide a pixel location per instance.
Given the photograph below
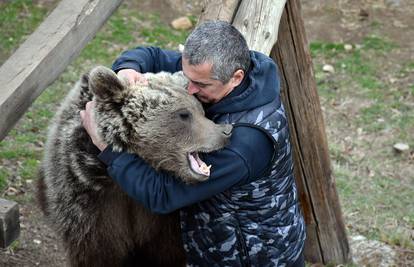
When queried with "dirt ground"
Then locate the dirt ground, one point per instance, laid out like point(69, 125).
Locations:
point(325, 20)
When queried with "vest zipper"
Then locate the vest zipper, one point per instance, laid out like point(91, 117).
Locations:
point(242, 244)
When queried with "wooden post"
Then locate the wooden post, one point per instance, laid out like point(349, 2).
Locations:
point(9, 222)
point(326, 237)
point(46, 53)
point(258, 21)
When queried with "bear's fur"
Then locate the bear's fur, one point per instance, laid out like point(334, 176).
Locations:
point(98, 223)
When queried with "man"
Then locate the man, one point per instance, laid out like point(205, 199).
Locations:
point(247, 212)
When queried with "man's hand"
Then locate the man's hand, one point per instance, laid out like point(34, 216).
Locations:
point(88, 122)
point(132, 76)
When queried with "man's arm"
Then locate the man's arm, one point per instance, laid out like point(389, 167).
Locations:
point(246, 158)
point(148, 59)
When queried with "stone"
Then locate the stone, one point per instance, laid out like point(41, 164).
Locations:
point(328, 68)
point(182, 23)
point(347, 47)
point(367, 252)
point(401, 147)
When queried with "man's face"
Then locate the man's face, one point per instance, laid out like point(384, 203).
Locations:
point(206, 89)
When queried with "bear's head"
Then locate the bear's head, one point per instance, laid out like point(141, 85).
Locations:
point(158, 121)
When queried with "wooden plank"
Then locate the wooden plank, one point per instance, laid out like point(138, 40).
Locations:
point(258, 21)
point(219, 10)
point(327, 241)
point(9, 222)
point(46, 53)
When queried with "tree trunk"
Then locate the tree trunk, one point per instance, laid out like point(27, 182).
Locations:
point(326, 236)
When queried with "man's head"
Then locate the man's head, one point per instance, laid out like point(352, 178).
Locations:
point(215, 59)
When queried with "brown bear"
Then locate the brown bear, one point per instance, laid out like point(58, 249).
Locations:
point(97, 222)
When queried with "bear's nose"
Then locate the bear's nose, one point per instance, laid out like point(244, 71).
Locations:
point(227, 130)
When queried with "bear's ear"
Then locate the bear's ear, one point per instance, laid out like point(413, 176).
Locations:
point(104, 83)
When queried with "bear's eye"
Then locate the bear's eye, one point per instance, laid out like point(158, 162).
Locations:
point(184, 115)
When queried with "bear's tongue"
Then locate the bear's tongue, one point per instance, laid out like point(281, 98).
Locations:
point(197, 165)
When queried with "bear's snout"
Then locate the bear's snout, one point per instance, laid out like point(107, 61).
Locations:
point(228, 129)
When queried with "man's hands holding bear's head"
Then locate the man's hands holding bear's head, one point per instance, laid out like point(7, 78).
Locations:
point(87, 115)
point(132, 76)
point(88, 122)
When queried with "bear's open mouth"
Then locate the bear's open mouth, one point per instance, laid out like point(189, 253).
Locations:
point(197, 165)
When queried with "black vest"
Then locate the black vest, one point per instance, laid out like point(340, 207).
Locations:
point(255, 224)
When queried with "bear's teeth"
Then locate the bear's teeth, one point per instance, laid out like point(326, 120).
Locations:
point(205, 169)
point(197, 165)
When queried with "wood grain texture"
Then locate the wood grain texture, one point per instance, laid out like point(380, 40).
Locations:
point(219, 10)
point(326, 237)
point(46, 53)
point(327, 241)
point(258, 21)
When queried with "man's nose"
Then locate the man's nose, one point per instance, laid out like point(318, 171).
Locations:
point(192, 89)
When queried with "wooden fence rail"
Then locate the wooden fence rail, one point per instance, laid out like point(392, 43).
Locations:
point(46, 53)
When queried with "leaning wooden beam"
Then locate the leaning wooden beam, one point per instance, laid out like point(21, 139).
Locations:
point(327, 241)
point(46, 53)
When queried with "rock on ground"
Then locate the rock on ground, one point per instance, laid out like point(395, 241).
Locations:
point(371, 252)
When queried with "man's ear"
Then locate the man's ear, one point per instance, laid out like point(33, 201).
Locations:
point(237, 78)
point(104, 84)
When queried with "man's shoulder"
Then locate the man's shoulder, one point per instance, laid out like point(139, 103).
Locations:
point(259, 56)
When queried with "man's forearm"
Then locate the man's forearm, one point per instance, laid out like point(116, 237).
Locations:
point(163, 193)
point(148, 59)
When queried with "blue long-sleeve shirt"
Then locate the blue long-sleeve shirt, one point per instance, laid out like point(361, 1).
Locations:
point(149, 59)
point(160, 192)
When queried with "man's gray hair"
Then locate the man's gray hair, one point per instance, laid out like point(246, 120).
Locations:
point(220, 44)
